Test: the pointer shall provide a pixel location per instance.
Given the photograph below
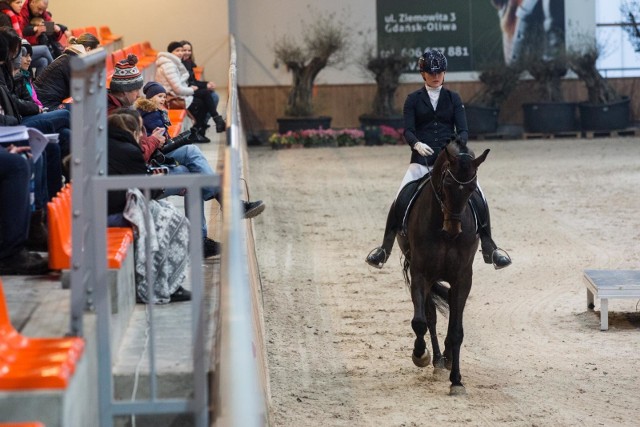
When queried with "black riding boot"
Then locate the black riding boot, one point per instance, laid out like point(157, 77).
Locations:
point(380, 255)
point(490, 252)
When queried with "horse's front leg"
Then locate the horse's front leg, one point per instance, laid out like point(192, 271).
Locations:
point(420, 355)
point(432, 318)
point(455, 333)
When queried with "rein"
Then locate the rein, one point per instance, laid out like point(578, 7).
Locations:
point(436, 193)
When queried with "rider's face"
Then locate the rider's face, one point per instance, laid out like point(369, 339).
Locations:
point(433, 80)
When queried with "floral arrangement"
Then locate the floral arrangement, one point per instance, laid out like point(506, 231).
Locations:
point(389, 135)
point(317, 138)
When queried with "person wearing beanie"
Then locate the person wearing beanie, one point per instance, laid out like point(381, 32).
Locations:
point(172, 74)
point(54, 83)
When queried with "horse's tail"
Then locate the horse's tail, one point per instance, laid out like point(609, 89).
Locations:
point(440, 295)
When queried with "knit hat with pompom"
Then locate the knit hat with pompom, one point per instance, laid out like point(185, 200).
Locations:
point(126, 76)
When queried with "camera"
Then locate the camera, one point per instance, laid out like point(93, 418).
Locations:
point(182, 139)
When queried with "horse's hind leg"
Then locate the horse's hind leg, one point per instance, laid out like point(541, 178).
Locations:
point(420, 355)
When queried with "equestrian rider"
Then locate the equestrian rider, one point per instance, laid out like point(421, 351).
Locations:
point(432, 116)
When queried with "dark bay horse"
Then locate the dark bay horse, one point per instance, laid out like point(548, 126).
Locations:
point(440, 244)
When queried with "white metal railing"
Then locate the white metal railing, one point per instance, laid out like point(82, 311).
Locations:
point(239, 394)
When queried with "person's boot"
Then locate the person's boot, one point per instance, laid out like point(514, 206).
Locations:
point(38, 239)
point(210, 248)
point(198, 135)
point(24, 263)
point(253, 209)
point(380, 255)
point(221, 126)
point(490, 251)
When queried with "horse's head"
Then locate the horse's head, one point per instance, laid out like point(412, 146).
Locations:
point(455, 178)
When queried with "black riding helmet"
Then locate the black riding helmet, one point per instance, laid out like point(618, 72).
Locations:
point(432, 61)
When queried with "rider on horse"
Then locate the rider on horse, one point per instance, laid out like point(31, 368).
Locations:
point(432, 116)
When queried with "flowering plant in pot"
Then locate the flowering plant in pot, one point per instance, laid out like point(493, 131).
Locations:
point(324, 43)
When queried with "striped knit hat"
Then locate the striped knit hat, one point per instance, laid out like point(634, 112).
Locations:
point(126, 76)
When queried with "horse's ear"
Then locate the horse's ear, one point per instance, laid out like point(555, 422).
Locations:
point(478, 160)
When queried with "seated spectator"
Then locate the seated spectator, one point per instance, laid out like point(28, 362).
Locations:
point(30, 106)
point(48, 168)
point(15, 209)
point(10, 17)
point(169, 228)
point(171, 74)
point(38, 9)
point(189, 63)
point(54, 83)
point(43, 39)
point(189, 158)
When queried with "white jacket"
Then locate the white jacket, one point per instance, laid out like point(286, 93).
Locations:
point(173, 76)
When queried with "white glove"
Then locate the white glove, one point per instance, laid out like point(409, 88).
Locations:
point(422, 149)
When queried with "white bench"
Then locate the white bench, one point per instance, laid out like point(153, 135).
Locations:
point(605, 284)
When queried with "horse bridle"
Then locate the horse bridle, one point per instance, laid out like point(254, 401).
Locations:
point(439, 197)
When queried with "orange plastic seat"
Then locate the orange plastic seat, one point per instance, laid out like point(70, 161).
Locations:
point(106, 34)
point(92, 30)
point(34, 363)
point(119, 239)
point(148, 50)
point(75, 32)
point(198, 72)
point(176, 116)
point(23, 424)
point(174, 130)
point(118, 55)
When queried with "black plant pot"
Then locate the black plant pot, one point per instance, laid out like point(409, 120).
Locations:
point(611, 116)
point(370, 125)
point(481, 119)
point(286, 124)
point(549, 117)
point(396, 122)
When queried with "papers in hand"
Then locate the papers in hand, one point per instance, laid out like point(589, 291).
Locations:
point(37, 140)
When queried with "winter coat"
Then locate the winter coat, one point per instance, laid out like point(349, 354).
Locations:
point(124, 158)
point(26, 104)
point(190, 65)
point(54, 83)
point(433, 127)
point(152, 116)
point(171, 74)
point(8, 100)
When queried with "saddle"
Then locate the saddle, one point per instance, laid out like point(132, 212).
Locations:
point(407, 196)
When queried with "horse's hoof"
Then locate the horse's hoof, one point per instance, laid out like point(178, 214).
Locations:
point(457, 390)
point(422, 361)
point(440, 374)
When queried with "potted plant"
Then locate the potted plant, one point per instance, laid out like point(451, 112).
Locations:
point(386, 70)
point(324, 43)
point(604, 109)
point(548, 112)
point(483, 108)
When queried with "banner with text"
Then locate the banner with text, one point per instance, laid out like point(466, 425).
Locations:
point(466, 31)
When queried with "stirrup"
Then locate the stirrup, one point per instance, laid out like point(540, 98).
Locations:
point(495, 257)
point(372, 260)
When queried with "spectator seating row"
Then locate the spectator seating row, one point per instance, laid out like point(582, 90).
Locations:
point(119, 239)
point(34, 363)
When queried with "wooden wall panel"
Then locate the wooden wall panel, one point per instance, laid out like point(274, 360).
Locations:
point(262, 105)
